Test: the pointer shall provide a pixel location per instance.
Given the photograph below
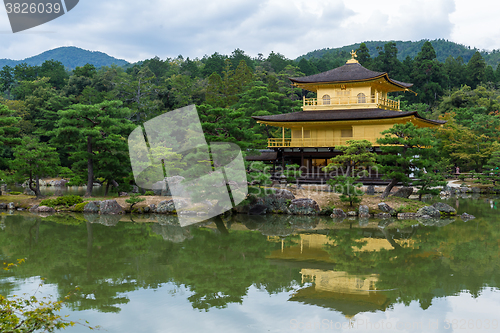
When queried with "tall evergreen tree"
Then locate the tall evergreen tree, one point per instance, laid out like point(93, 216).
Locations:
point(91, 130)
point(476, 68)
point(363, 54)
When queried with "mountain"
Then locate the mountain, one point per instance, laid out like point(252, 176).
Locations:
point(443, 48)
point(70, 56)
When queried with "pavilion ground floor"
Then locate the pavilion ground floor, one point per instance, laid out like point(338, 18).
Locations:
point(311, 162)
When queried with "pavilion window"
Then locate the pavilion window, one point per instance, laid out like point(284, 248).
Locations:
point(346, 133)
point(361, 98)
point(326, 99)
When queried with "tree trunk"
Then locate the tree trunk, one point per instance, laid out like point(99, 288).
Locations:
point(34, 189)
point(107, 189)
point(389, 188)
point(90, 167)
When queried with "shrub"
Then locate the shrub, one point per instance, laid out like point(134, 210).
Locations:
point(66, 200)
point(149, 193)
point(134, 199)
point(15, 193)
point(79, 207)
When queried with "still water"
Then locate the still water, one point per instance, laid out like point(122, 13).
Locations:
point(262, 274)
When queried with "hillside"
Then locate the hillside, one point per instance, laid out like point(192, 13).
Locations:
point(70, 56)
point(443, 48)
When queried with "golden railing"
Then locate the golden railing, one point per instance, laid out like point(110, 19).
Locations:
point(312, 142)
point(362, 101)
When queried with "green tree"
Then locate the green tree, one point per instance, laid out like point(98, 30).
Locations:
point(354, 161)
point(55, 71)
point(476, 68)
point(428, 75)
point(92, 130)
point(363, 54)
point(34, 159)
point(492, 168)
point(8, 128)
point(405, 148)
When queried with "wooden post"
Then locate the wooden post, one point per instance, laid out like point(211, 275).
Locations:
point(283, 136)
point(303, 136)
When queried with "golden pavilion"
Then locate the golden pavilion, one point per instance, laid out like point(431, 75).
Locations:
point(352, 104)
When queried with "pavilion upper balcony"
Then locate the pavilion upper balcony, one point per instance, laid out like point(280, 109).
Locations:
point(350, 102)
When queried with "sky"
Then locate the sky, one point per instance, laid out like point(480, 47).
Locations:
point(138, 30)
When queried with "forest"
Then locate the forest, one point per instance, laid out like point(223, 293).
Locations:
point(75, 124)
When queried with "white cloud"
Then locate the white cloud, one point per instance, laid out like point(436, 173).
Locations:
point(138, 30)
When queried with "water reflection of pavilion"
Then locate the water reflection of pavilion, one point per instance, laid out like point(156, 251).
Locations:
point(347, 293)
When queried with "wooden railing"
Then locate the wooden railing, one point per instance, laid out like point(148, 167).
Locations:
point(312, 142)
point(365, 101)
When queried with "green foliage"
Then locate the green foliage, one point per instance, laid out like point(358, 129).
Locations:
point(15, 193)
point(134, 199)
point(292, 172)
point(79, 207)
point(354, 161)
point(66, 200)
point(149, 193)
point(348, 188)
point(259, 174)
point(76, 181)
point(27, 313)
point(34, 159)
point(492, 168)
point(407, 150)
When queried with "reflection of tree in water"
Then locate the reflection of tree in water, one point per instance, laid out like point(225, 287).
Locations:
point(435, 262)
point(104, 262)
point(220, 267)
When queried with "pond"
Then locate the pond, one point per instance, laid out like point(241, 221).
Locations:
point(262, 274)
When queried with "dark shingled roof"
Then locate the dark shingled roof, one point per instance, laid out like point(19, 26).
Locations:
point(347, 73)
point(339, 115)
point(264, 156)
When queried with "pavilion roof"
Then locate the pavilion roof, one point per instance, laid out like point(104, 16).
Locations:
point(351, 72)
point(342, 115)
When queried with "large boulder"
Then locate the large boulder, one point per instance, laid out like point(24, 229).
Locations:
point(338, 213)
point(110, 207)
point(60, 183)
point(444, 208)
point(363, 211)
point(385, 208)
point(163, 187)
point(283, 194)
point(3, 205)
point(257, 210)
point(404, 192)
point(32, 208)
point(45, 209)
point(274, 204)
point(304, 207)
point(28, 191)
point(166, 207)
point(11, 205)
point(429, 211)
point(92, 207)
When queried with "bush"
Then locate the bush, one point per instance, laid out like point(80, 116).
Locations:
point(66, 200)
point(79, 207)
point(15, 193)
point(149, 193)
